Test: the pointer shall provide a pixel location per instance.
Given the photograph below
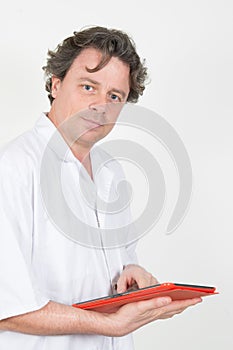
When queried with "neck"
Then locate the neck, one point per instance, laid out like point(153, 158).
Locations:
point(83, 155)
point(80, 150)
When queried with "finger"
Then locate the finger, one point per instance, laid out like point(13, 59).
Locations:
point(186, 302)
point(122, 284)
point(154, 303)
point(154, 281)
point(179, 306)
point(171, 314)
point(145, 280)
point(161, 309)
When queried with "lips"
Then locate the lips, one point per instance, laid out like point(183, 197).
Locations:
point(92, 123)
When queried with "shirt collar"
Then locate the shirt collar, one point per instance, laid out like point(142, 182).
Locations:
point(102, 172)
point(45, 127)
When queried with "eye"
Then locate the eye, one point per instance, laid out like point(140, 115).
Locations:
point(88, 87)
point(115, 98)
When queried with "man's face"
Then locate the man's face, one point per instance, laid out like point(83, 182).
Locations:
point(92, 97)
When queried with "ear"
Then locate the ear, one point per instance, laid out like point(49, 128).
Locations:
point(56, 83)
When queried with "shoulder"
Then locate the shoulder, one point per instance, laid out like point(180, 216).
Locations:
point(19, 158)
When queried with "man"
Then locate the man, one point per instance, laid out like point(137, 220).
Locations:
point(43, 271)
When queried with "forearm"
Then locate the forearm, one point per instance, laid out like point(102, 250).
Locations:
point(58, 319)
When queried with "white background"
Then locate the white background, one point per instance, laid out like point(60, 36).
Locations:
point(188, 49)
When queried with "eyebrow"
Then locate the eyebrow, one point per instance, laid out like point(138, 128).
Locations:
point(98, 83)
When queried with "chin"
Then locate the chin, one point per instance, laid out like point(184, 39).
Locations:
point(89, 140)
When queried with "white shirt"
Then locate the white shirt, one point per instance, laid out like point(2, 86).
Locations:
point(39, 263)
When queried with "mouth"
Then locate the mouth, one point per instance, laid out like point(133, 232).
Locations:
point(92, 123)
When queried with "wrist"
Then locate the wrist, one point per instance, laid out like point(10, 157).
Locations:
point(103, 324)
point(116, 326)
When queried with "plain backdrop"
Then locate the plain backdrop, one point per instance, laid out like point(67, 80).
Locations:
point(188, 50)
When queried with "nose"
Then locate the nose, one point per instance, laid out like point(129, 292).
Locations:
point(98, 108)
point(98, 103)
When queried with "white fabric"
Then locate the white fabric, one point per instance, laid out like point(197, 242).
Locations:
point(37, 262)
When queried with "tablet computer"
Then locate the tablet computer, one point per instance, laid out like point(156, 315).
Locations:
point(177, 291)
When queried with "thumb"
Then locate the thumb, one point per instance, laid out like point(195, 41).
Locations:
point(161, 301)
point(121, 285)
point(156, 303)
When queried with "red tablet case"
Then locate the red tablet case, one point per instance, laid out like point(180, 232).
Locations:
point(176, 291)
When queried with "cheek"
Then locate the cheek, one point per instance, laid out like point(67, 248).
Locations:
point(74, 104)
point(112, 111)
point(80, 102)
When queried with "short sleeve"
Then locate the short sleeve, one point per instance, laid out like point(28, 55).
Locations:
point(18, 291)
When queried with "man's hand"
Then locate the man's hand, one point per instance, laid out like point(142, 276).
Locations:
point(135, 274)
point(58, 319)
point(55, 318)
point(135, 315)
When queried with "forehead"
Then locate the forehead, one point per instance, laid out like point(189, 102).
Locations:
point(90, 58)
